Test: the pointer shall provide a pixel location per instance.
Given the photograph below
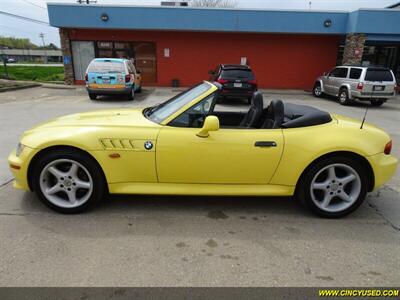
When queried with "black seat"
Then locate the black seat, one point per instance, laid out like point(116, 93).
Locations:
point(275, 115)
point(251, 119)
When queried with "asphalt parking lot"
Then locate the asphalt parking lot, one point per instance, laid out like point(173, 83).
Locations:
point(190, 241)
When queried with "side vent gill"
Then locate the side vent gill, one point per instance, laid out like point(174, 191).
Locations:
point(117, 144)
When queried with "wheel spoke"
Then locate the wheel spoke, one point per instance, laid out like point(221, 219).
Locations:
point(327, 200)
point(57, 173)
point(331, 173)
point(345, 197)
point(73, 171)
point(319, 185)
point(72, 196)
point(347, 179)
point(54, 189)
point(82, 184)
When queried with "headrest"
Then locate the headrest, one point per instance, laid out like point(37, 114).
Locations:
point(277, 107)
point(257, 100)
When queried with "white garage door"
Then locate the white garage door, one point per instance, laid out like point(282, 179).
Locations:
point(82, 55)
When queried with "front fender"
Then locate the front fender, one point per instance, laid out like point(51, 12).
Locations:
point(79, 137)
point(321, 82)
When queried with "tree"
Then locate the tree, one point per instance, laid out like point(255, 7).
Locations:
point(213, 3)
point(51, 46)
point(16, 43)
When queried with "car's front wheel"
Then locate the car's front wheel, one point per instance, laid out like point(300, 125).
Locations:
point(317, 90)
point(333, 187)
point(68, 181)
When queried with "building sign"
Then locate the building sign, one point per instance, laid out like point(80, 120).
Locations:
point(67, 60)
point(166, 52)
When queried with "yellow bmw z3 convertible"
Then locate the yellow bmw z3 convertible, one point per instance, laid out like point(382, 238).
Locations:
point(185, 146)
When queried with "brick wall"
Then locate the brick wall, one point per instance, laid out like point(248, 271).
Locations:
point(66, 52)
point(353, 49)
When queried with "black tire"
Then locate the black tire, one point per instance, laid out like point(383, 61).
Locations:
point(249, 100)
point(377, 102)
point(92, 96)
point(99, 189)
point(131, 94)
point(343, 97)
point(303, 191)
point(317, 90)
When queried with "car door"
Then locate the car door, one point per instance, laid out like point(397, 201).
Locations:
point(226, 156)
point(330, 81)
point(337, 79)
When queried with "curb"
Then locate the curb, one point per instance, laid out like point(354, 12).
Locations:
point(21, 87)
point(57, 86)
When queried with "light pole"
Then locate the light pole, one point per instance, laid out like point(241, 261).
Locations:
point(44, 47)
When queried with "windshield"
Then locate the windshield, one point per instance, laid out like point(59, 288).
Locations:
point(106, 67)
point(164, 110)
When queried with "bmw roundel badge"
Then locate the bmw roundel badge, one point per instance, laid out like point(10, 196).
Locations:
point(148, 145)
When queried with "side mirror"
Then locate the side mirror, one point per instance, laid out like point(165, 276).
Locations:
point(211, 123)
point(139, 71)
point(211, 72)
point(325, 74)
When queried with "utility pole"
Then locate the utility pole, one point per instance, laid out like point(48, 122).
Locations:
point(309, 5)
point(41, 35)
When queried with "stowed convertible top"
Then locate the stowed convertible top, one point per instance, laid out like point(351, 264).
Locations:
point(296, 115)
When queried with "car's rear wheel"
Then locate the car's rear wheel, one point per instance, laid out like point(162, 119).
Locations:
point(131, 94)
point(317, 90)
point(68, 181)
point(334, 187)
point(343, 97)
point(92, 96)
point(377, 102)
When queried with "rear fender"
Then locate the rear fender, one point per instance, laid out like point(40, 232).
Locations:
point(348, 87)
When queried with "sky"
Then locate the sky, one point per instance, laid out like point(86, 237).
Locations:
point(36, 9)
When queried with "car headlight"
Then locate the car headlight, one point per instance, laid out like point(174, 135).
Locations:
point(19, 149)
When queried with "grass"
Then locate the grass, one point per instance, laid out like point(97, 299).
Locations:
point(34, 73)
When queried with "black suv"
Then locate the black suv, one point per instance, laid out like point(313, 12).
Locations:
point(238, 81)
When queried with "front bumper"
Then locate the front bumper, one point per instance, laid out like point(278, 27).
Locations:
point(19, 167)
point(384, 167)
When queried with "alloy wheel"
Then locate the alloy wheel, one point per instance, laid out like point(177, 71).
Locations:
point(335, 187)
point(66, 183)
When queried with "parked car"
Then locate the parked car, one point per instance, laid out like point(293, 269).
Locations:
point(107, 76)
point(11, 60)
point(184, 147)
point(238, 81)
point(374, 84)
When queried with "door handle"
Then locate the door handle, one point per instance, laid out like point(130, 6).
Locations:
point(265, 144)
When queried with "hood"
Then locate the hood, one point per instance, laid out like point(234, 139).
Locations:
point(110, 117)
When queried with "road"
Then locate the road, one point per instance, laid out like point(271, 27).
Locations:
point(190, 241)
